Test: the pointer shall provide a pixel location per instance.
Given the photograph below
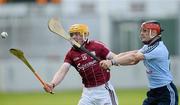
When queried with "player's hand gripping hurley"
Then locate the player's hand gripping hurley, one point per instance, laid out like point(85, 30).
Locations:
point(20, 55)
point(55, 27)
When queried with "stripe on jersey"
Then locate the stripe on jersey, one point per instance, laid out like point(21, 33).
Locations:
point(150, 48)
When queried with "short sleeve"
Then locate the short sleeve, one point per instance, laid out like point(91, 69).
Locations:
point(68, 58)
point(104, 51)
point(155, 51)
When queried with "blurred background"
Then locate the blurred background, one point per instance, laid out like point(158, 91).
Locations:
point(114, 22)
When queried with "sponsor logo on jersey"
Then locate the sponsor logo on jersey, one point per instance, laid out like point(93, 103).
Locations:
point(85, 66)
point(76, 58)
point(84, 56)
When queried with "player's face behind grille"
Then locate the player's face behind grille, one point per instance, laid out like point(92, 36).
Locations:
point(77, 37)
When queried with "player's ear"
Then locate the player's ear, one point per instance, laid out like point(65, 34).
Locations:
point(154, 33)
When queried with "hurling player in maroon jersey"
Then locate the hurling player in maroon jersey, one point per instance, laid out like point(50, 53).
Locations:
point(97, 90)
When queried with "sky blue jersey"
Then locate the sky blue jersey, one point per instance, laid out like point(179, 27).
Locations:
point(156, 60)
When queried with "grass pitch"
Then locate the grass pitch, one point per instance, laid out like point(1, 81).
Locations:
point(125, 96)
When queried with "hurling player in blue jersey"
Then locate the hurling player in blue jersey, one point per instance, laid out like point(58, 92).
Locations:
point(155, 56)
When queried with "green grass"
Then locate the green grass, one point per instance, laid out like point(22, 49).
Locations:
point(125, 96)
point(34, 98)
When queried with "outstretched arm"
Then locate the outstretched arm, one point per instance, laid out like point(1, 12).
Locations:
point(128, 58)
point(58, 77)
point(128, 52)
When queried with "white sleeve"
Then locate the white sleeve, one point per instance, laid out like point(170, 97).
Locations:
point(67, 65)
point(110, 55)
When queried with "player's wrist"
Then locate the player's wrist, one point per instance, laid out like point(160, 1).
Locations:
point(53, 85)
point(114, 62)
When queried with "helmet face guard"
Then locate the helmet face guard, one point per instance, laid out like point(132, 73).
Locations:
point(152, 25)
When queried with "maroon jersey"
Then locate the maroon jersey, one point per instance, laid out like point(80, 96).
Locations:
point(92, 74)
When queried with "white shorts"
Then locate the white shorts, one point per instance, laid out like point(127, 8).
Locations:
point(100, 95)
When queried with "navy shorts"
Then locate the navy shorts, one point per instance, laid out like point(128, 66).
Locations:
point(166, 95)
